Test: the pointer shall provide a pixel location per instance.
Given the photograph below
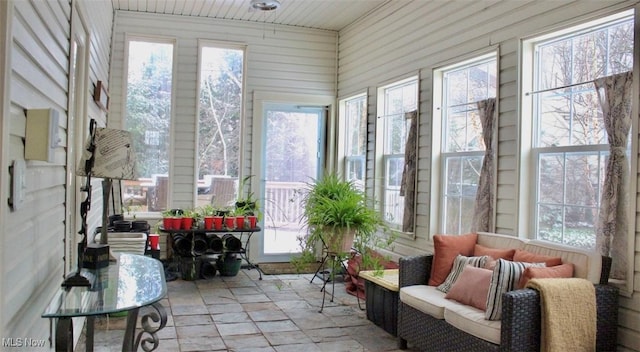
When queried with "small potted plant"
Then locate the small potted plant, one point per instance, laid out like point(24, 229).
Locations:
point(207, 212)
point(171, 219)
point(189, 217)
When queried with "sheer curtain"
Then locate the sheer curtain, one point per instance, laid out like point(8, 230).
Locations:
point(614, 93)
point(408, 185)
point(483, 211)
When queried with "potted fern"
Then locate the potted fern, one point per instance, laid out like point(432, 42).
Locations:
point(342, 217)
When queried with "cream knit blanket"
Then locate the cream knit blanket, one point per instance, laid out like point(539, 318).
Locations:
point(568, 314)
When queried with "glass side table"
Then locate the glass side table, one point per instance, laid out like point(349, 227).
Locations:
point(133, 282)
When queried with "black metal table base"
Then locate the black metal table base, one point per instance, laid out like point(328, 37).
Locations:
point(147, 339)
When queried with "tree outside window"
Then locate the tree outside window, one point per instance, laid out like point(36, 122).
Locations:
point(570, 146)
point(148, 118)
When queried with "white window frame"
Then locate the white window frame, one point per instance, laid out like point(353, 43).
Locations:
point(230, 46)
point(439, 149)
point(343, 135)
point(125, 79)
point(528, 171)
point(380, 142)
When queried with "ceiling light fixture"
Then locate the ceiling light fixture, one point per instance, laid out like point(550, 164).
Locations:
point(265, 5)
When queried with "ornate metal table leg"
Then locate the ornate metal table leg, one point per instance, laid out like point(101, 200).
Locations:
point(147, 338)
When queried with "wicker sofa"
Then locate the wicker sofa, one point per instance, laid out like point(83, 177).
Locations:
point(519, 329)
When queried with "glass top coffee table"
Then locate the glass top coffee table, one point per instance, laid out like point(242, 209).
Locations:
point(132, 282)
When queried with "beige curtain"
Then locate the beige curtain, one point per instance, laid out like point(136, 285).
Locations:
point(483, 211)
point(614, 93)
point(408, 185)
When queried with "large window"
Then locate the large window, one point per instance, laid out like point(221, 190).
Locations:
point(462, 149)
point(395, 101)
point(568, 137)
point(219, 124)
point(148, 118)
point(354, 115)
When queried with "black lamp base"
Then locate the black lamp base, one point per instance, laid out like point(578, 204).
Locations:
point(76, 280)
point(96, 256)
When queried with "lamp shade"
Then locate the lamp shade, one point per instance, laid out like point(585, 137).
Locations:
point(113, 155)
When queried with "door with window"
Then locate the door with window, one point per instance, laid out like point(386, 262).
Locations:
point(292, 155)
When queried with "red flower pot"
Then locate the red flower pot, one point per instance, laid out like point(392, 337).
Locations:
point(187, 223)
point(230, 222)
point(217, 222)
point(167, 223)
point(240, 222)
point(208, 222)
point(177, 223)
point(253, 221)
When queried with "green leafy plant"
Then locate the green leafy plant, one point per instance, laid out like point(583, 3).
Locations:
point(334, 209)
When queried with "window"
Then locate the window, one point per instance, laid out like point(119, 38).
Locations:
point(568, 138)
point(462, 148)
point(219, 124)
point(354, 114)
point(148, 118)
point(392, 129)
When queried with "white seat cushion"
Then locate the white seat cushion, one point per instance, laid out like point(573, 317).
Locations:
point(426, 299)
point(472, 321)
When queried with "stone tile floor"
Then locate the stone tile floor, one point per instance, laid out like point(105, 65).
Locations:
point(241, 313)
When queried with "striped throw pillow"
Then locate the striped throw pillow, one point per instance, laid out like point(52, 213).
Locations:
point(505, 278)
point(458, 264)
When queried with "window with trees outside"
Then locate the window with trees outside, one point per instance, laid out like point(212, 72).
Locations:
point(462, 150)
point(148, 118)
point(569, 141)
point(392, 128)
point(354, 113)
point(219, 123)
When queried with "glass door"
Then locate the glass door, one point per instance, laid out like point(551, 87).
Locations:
point(293, 155)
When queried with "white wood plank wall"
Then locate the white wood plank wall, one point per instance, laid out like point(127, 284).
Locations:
point(406, 37)
point(31, 238)
point(291, 60)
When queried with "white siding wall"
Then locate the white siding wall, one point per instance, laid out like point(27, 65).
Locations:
point(406, 37)
point(31, 238)
point(291, 60)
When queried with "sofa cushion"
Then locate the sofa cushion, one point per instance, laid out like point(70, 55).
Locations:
point(426, 299)
point(558, 271)
point(472, 287)
point(458, 264)
point(493, 240)
point(473, 322)
point(505, 277)
point(587, 264)
point(495, 253)
point(446, 248)
point(530, 257)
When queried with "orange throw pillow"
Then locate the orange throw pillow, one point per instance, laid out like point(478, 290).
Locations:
point(472, 287)
point(528, 257)
point(495, 253)
point(558, 271)
point(446, 248)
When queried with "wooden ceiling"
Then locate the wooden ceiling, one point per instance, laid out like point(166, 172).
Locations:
point(321, 14)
